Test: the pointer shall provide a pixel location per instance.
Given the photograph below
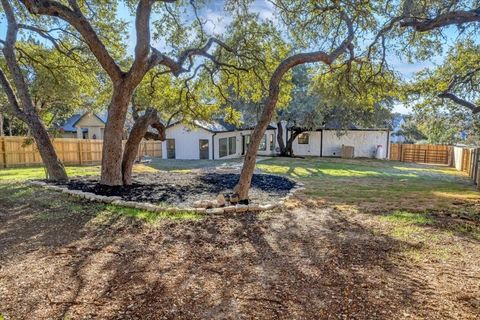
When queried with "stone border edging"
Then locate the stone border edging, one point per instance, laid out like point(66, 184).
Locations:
point(239, 208)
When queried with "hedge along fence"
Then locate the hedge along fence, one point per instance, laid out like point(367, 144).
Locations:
point(22, 151)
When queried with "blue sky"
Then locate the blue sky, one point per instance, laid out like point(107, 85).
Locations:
point(217, 20)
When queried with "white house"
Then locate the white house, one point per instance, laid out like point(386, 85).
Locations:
point(213, 140)
point(328, 142)
point(83, 126)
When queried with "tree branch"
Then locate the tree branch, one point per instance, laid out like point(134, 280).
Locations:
point(442, 20)
point(177, 66)
point(473, 107)
point(76, 19)
point(12, 99)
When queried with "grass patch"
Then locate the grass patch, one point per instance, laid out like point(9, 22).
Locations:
point(19, 174)
point(152, 217)
point(408, 218)
point(388, 185)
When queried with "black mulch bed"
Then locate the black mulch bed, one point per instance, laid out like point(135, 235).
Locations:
point(182, 189)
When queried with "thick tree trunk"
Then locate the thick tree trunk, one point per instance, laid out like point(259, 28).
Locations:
point(251, 156)
point(289, 147)
point(111, 174)
point(274, 88)
point(138, 132)
point(55, 169)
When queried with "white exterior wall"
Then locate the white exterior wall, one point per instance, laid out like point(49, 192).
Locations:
point(310, 149)
point(187, 141)
point(364, 142)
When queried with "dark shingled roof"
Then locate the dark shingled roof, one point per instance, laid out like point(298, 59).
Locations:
point(221, 126)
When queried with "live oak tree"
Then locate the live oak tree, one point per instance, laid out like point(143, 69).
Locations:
point(424, 24)
point(158, 101)
point(21, 104)
point(322, 33)
point(47, 78)
point(413, 27)
point(81, 16)
point(339, 96)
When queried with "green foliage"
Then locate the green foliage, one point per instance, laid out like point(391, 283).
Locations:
point(440, 119)
point(259, 50)
point(342, 95)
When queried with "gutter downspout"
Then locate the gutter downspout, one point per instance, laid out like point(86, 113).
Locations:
point(213, 146)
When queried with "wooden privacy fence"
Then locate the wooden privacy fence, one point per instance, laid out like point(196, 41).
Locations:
point(462, 158)
point(424, 153)
point(467, 160)
point(22, 151)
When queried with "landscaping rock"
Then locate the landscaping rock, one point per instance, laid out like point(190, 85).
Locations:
point(215, 211)
point(241, 208)
point(220, 200)
point(229, 209)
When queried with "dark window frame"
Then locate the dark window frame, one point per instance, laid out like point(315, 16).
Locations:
point(303, 138)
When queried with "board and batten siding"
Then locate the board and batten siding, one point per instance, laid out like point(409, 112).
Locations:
point(94, 125)
point(327, 143)
point(187, 141)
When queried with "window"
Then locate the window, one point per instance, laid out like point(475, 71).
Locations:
point(227, 146)
point(303, 138)
point(263, 143)
point(232, 145)
point(223, 147)
point(272, 142)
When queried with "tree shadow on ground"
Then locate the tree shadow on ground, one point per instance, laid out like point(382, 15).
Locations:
point(305, 262)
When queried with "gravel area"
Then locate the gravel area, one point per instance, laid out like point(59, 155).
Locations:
point(183, 189)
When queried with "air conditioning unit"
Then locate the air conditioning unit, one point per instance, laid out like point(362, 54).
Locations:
point(347, 152)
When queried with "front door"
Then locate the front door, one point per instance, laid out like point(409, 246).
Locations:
point(204, 152)
point(171, 148)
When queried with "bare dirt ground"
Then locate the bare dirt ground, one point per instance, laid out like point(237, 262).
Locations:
point(309, 261)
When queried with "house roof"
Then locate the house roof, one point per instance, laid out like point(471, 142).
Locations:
point(334, 124)
point(219, 125)
point(69, 125)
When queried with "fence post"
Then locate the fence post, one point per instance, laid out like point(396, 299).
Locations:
point(80, 152)
point(477, 169)
point(4, 152)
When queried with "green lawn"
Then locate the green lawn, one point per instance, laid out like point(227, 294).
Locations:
point(362, 185)
point(408, 197)
point(387, 183)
